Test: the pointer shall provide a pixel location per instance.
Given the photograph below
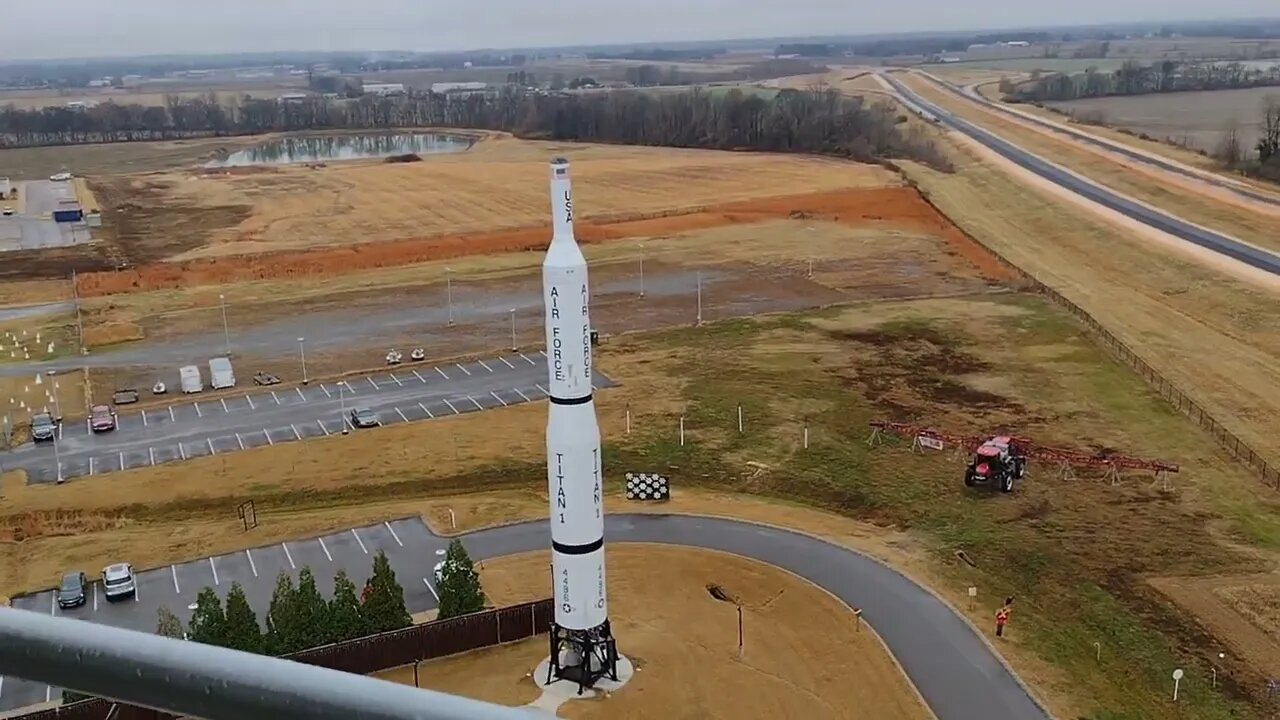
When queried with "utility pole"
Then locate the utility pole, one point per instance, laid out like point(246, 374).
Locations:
point(342, 403)
point(448, 286)
point(514, 347)
point(226, 332)
point(75, 292)
point(699, 299)
point(302, 351)
point(641, 270)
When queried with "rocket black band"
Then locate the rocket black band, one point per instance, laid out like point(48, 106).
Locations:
point(577, 549)
point(570, 401)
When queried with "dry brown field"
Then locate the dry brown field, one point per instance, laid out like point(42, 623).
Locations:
point(146, 96)
point(801, 644)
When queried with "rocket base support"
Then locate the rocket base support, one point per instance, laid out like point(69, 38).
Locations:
point(582, 656)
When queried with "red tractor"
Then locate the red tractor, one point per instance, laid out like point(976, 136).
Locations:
point(997, 462)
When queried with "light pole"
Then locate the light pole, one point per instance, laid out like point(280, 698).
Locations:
point(514, 347)
point(302, 352)
point(226, 331)
point(641, 270)
point(699, 298)
point(57, 455)
point(448, 288)
point(57, 404)
point(342, 403)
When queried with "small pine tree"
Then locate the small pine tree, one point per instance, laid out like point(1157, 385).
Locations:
point(311, 613)
point(243, 631)
point(459, 585)
point(168, 624)
point(383, 607)
point(345, 620)
point(209, 622)
point(280, 618)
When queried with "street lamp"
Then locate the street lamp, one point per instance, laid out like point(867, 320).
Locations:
point(57, 404)
point(514, 347)
point(226, 331)
point(642, 270)
point(448, 287)
point(342, 403)
point(699, 299)
point(302, 352)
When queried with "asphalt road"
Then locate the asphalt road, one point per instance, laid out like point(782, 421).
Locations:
point(35, 228)
point(956, 672)
point(1230, 247)
point(214, 426)
point(971, 94)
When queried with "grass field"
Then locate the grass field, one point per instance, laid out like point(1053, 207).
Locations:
point(116, 158)
point(1197, 119)
point(1057, 545)
point(499, 184)
point(1183, 200)
point(146, 96)
point(686, 643)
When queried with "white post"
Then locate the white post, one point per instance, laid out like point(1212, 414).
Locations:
point(453, 520)
point(681, 431)
point(642, 271)
point(342, 403)
point(514, 347)
point(302, 351)
point(806, 436)
point(699, 298)
point(57, 455)
point(628, 418)
point(1177, 679)
point(810, 273)
point(1097, 652)
point(448, 284)
point(226, 331)
point(739, 419)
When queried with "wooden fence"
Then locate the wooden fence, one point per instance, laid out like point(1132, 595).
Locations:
point(436, 639)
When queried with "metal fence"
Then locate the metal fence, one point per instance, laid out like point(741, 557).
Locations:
point(1240, 450)
point(363, 656)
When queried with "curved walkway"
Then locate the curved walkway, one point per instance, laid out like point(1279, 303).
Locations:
point(956, 672)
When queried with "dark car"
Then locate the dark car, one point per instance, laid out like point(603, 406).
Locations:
point(102, 418)
point(43, 427)
point(72, 592)
point(364, 418)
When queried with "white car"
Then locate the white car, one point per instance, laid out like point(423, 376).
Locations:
point(7, 211)
point(60, 177)
point(118, 581)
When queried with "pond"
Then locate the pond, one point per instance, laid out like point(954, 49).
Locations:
point(329, 148)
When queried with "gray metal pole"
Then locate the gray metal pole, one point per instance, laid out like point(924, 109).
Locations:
point(302, 351)
point(75, 292)
point(193, 679)
point(514, 347)
point(226, 331)
point(641, 271)
point(448, 285)
point(699, 298)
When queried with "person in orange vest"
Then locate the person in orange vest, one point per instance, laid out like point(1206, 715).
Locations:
point(1002, 616)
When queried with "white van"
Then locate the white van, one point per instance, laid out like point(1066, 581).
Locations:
point(191, 381)
point(220, 374)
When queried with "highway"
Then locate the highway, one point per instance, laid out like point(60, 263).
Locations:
point(1230, 247)
point(957, 673)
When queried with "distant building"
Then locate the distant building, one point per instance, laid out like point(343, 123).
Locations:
point(1018, 43)
point(106, 82)
point(293, 97)
point(448, 88)
point(384, 89)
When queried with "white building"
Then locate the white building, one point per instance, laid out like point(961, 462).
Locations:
point(458, 87)
point(384, 89)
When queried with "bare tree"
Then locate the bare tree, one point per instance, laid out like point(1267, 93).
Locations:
point(1269, 143)
point(1229, 151)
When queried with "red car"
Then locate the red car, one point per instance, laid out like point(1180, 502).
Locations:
point(102, 418)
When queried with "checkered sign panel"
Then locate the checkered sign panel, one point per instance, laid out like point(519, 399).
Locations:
point(648, 486)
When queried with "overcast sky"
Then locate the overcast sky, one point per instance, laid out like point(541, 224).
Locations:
point(79, 28)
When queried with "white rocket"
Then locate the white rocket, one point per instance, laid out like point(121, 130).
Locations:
point(573, 437)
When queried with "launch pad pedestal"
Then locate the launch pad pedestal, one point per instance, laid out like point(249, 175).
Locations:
point(582, 656)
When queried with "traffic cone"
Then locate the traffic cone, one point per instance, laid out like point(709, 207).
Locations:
point(38, 380)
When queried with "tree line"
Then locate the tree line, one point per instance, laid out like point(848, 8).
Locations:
point(1265, 164)
point(1134, 78)
point(821, 121)
point(299, 618)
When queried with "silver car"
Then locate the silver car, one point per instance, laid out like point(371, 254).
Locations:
point(117, 581)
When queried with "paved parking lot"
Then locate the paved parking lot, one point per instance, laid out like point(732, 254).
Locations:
point(35, 228)
point(410, 546)
point(267, 417)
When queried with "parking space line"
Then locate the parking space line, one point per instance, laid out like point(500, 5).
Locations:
point(269, 440)
point(393, 377)
point(214, 568)
point(144, 418)
point(211, 450)
point(446, 377)
point(526, 359)
point(542, 390)
point(48, 693)
point(90, 464)
point(275, 397)
point(53, 604)
point(393, 533)
point(224, 404)
point(473, 402)
point(325, 549)
point(371, 382)
point(88, 427)
point(543, 353)
point(486, 367)
point(250, 400)
point(137, 596)
point(121, 459)
point(401, 414)
point(459, 365)
point(296, 435)
point(239, 441)
point(300, 395)
point(326, 390)
point(451, 407)
point(425, 410)
point(433, 590)
point(356, 535)
point(349, 388)
point(495, 397)
point(174, 569)
point(196, 405)
point(508, 364)
point(521, 394)
point(151, 453)
point(94, 588)
point(288, 555)
point(252, 566)
point(322, 427)
point(181, 450)
point(171, 417)
point(415, 374)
